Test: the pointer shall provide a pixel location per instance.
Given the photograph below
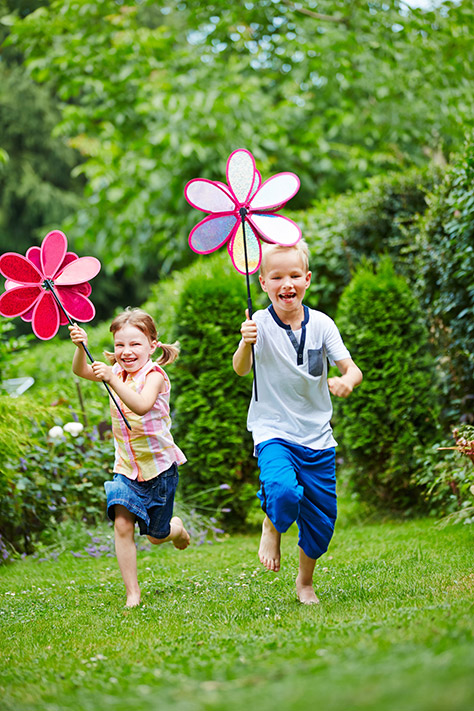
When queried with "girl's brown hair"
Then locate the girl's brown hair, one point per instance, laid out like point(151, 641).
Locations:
point(144, 322)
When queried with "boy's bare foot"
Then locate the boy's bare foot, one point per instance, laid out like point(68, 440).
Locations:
point(306, 594)
point(180, 536)
point(269, 550)
point(133, 599)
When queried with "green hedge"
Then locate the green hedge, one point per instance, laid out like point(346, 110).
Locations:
point(445, 283)
point(209, 400)
point(395, 408)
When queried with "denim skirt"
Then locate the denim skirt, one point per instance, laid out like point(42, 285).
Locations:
point(151, 501)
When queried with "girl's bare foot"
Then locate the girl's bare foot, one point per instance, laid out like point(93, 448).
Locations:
point(179, 535)
point(306, 594)
point(133, 599)
point(269, 550)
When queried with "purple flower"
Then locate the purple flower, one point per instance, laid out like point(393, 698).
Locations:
point(224, 486)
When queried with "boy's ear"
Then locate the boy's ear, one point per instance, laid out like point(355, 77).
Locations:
point(262, 282)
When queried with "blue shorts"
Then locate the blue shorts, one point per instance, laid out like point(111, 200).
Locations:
point(151, 501)
point(299, 484)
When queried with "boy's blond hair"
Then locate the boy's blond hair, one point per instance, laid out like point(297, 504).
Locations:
point(301, 247)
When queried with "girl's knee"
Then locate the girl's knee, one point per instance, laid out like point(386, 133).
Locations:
point(124, 526)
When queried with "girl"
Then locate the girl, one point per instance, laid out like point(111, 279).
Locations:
point(146, 457)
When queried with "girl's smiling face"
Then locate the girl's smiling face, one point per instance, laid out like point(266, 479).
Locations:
point(285, 280)
point(132, 348)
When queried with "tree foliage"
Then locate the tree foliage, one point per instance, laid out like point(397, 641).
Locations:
point(156, 93)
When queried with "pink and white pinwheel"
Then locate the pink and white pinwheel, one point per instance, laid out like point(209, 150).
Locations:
point(32, 281)
point(245, 200)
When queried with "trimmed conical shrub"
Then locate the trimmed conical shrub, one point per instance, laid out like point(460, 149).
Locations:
point(395, 408)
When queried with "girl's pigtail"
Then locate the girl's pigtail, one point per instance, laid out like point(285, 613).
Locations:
point(170, 352)
point(110, 357)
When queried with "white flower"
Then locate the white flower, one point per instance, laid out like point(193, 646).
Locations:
point(55, 432)
point(74, 428)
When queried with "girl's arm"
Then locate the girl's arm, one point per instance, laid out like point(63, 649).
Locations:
point(139, 403)
point(351, 376)
point(80, 366)
point(242, 359)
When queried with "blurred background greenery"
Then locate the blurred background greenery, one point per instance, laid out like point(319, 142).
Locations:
point(108, 108)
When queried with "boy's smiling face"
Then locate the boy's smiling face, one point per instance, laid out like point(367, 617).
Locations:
point(285, 280)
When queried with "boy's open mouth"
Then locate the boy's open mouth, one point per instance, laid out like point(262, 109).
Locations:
point(287, 297)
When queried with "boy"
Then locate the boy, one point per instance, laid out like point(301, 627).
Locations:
point(290, 422)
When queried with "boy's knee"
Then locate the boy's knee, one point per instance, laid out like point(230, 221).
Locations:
point(282, 504)
point(286, 495)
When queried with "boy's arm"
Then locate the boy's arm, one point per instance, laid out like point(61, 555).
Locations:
point(242, 359)
point(351, 377)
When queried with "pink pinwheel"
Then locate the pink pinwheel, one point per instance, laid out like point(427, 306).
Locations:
point(245, 201)
point(47, 285)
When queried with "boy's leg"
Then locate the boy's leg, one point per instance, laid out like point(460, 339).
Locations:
point(280, 495)
point(304, 581)
point(178, 535)
point(318, 513)
point(127, 553)
point(269, 549)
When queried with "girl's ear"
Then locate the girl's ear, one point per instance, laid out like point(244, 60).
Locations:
point(153, 346)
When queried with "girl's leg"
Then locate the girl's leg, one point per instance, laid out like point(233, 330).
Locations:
point(127, 553)
point(304, 580)
point(178, 535)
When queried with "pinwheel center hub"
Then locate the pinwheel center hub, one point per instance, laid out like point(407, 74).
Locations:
point(48, 284)
point(243, 212)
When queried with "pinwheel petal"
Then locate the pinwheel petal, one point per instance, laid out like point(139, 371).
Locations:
point(225, 188)
point(17, 301)
point(241, 174)
point(78, 271)
point(256, 183)
point(53, 251)
point(275, 191)
point(77, 306)
point(28, 316)
point(69, 257)
point(84, 289)
point(45, 321)
point(19, 269)
point(34, 255)
point(276, 228)
point(237, 250)
point(208, 196)
point(211, 233)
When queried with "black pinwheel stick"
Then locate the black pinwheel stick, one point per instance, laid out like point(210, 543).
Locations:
point(48, 284)
point(243, 212)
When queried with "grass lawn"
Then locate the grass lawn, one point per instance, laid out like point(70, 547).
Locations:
point(394, 629)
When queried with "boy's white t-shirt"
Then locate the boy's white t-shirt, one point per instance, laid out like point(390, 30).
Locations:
point(294, 402)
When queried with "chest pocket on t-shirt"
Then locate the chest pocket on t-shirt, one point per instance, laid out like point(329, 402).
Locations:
point(315, 361)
